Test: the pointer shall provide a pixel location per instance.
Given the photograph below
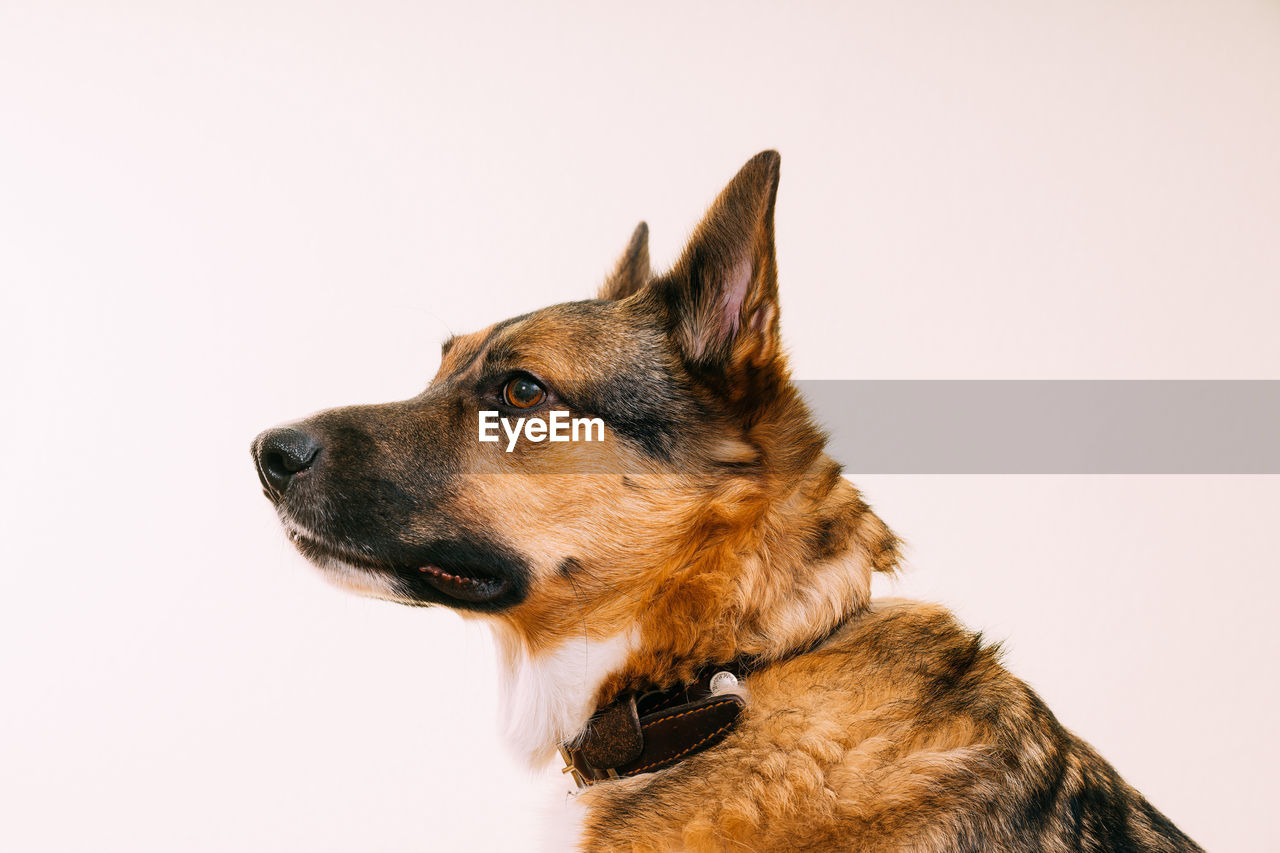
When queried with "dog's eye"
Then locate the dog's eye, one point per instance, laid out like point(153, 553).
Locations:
point(523, 393)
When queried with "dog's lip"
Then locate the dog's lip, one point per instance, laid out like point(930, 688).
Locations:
point(463, 585)
point(469, 585)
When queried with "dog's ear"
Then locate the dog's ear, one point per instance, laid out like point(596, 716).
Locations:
point(632, 271)
point(722, 295)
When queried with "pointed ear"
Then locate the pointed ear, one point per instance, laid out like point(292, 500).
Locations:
point(632, 271)
point(722, 295)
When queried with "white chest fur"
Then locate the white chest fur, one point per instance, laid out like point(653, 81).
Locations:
point(548, 696)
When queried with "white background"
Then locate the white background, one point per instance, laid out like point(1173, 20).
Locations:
point(216, 216)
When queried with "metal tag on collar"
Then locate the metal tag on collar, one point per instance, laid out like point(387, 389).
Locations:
point(722, 682)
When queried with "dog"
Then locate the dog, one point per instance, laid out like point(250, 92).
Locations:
point(681, 603)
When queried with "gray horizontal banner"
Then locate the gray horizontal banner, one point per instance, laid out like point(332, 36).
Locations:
point(1050, 427)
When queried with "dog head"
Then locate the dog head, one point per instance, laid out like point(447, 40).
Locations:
point(702, 515)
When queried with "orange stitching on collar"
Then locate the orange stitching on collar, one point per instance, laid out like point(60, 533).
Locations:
point(678, 754)
point(690, 711)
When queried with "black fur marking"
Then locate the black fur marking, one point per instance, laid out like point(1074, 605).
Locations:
point(645, 404)
point(826, 539)
point(569, 567)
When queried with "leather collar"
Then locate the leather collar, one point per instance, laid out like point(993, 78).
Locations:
point(641, 733)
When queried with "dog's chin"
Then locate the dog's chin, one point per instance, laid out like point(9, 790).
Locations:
point(466, 575)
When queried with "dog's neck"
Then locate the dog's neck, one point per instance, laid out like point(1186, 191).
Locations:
point(788, 577)
point(795, 570)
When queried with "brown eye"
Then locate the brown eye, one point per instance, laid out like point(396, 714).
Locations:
point(523, 393)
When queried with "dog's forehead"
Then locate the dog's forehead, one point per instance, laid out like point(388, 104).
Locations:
point(565, 341)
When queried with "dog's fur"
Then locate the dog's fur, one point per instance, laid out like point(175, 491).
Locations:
point(709, 526)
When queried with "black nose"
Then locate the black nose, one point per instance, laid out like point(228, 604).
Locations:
point(281, 453)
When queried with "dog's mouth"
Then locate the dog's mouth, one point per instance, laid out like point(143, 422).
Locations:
point(452, 572)
point(462, 584)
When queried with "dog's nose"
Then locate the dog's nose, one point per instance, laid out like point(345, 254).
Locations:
point(281, 453)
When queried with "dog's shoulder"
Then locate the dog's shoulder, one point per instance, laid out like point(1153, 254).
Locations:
point(833, 746)
point(900, 649)
point(901, 731)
